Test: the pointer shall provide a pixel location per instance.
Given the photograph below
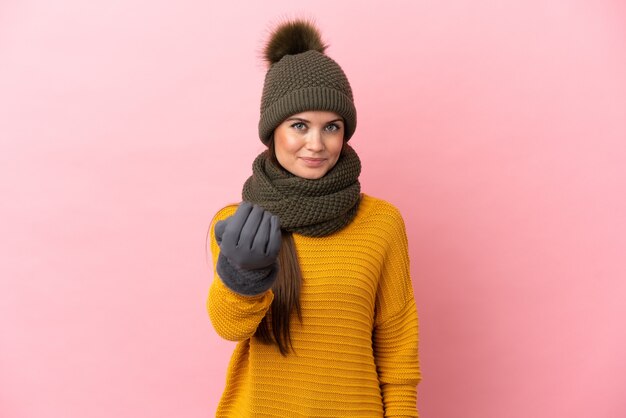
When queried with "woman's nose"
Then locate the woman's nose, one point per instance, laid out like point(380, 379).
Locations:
point(315, 142)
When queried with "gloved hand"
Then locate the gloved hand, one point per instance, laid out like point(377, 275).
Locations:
point(251, 238)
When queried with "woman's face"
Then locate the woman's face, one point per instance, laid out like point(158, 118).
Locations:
point(308, 144)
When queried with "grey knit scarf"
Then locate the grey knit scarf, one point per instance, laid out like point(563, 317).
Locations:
point(313, 208)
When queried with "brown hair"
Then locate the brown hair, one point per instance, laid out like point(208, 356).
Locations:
point(274, 328)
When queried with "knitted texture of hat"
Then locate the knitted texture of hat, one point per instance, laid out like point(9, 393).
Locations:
point(302, 78)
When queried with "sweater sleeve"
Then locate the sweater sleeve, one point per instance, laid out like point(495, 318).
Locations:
point(395, 339)
point(235, 317)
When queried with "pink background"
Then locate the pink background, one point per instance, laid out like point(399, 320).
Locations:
point(498, 130)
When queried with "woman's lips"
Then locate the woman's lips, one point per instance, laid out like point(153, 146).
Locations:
point(313, 162)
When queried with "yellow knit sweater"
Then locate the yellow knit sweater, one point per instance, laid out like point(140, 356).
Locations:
point(355, 352)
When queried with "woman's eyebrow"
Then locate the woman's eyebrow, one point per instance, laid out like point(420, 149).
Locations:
point(307, 121)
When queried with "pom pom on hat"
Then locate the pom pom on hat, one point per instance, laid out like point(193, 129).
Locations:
point(301, 77)
point(292, 38)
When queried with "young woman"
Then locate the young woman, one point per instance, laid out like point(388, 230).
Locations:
point(311, 275)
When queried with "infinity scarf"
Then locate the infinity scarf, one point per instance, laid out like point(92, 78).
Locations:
point(311, 207)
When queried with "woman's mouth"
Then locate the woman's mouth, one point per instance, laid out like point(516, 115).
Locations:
point(313, 162)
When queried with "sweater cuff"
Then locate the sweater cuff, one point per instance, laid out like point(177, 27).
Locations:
point(400, 400)
point(245, 282)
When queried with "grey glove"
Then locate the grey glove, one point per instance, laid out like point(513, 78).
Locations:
point(249, 244)
point(251, 238)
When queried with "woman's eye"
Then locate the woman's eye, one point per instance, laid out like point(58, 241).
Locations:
point(298, 125)
point(332, 127)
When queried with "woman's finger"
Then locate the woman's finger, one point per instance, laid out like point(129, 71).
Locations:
point(230, 238)
point(246, 238)
point(275, 238)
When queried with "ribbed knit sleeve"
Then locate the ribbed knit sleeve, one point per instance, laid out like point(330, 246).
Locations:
point(396, 324)
point(234, 317)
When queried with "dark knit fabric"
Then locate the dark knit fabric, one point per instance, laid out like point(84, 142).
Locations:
point(245, 282)
point(311, 207)
point(301, 82)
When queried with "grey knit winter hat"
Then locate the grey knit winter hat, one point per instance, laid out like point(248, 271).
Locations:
point(301, 78)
